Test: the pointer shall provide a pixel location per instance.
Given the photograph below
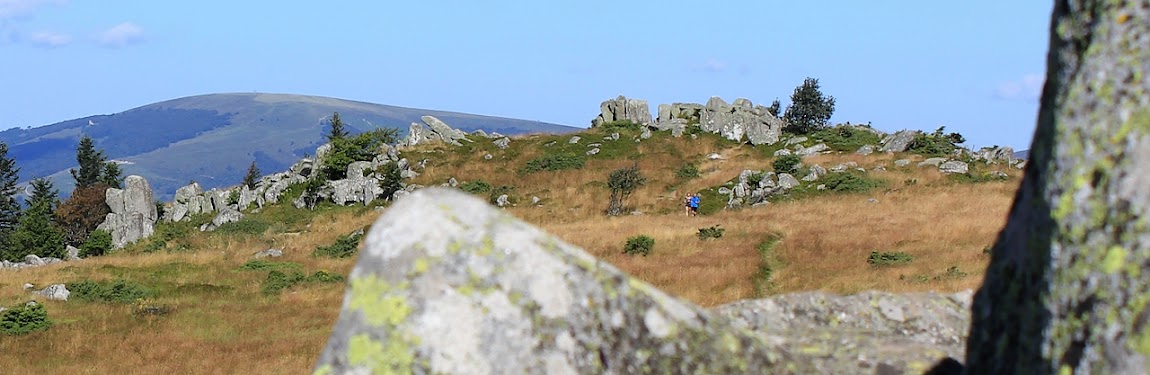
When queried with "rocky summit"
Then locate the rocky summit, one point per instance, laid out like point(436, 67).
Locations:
point(448, 284)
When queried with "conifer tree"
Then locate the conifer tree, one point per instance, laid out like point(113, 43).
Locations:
point(91, 163)
point(252, 176)
point(36, 231)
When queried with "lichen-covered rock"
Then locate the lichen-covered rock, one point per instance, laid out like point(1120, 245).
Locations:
point(908, 333)
point(1067, 289)
point(448, 284)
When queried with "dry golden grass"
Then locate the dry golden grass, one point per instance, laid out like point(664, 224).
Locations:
point(223, 324)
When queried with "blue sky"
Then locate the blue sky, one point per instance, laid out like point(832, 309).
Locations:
point(974, 66)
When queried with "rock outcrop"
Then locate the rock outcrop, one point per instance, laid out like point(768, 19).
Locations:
point(433, 130)
point(741, 122)
point(133, 215)
point(899, 141)
point(448, 284)
point(623, 109)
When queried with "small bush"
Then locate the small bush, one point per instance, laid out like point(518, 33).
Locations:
point(936, 143)
point(24, 319)
point(116, 291)
point(787, 164)
point(245, 226)
point(264, 265)
point(344, 247)
point(846, 138)
point(278, 281)
point(713, 232)
point(554, 162)
point(688, 171)
point(887, 259)
point(849, 183)
point(620, 125)
point(475, 187)
point(99, 242)
point(325, 277)
point(641, 245)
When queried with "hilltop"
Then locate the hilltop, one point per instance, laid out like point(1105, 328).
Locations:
point(212, 139)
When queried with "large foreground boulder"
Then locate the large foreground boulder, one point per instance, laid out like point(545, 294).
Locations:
point(1067, 290)
point(448, 284)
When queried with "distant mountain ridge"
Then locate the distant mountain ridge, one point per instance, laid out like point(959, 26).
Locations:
point(212, 139)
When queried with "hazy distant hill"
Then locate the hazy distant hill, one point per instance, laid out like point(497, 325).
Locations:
point(213, 138)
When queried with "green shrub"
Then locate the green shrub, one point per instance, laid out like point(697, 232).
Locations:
point(787, 164)
point(936, 143)
point(115, 291)
point(688, 171)
point(24, 319)
point(973, 178)
point(99, 242)
point(233, 197)
point(245, 226)
point(640, 244)
point(278, 281)
point(846, 138)
point(848, 182)
point(344, 247)
point(325, 277)
point(620, 125)
point(886, 259)
point(264, 265)
point(712, 232)
point(554, 162)
point(475, 187)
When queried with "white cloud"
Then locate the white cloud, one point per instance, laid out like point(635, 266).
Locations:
point(1027, 87)
point(49, 39)
point(121, 35)
point(11, 9)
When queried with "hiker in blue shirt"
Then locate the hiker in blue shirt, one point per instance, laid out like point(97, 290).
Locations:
point(695, 204)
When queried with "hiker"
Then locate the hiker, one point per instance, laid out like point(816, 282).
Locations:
point(695, 204)
point(687, 205)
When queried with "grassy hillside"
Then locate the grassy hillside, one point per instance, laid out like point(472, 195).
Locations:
point(212, 139)
point(210, 308)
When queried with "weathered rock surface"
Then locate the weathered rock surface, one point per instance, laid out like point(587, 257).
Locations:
point(133, 215)
point(447, 284)
point(623, 109)
point(899, 141)
point(54, 292)
point(740, 122)
point(1067, 286)
point(907, 333)
point(954, 167)
point(269, 253)
point(433, 130)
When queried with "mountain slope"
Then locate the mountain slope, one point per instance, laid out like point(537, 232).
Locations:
point(213, 138)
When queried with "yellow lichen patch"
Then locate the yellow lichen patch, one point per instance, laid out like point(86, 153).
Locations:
point(394, 357)
point(369, 295)
point(421, 265)
point(1114, 259)
point(1122, 18)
